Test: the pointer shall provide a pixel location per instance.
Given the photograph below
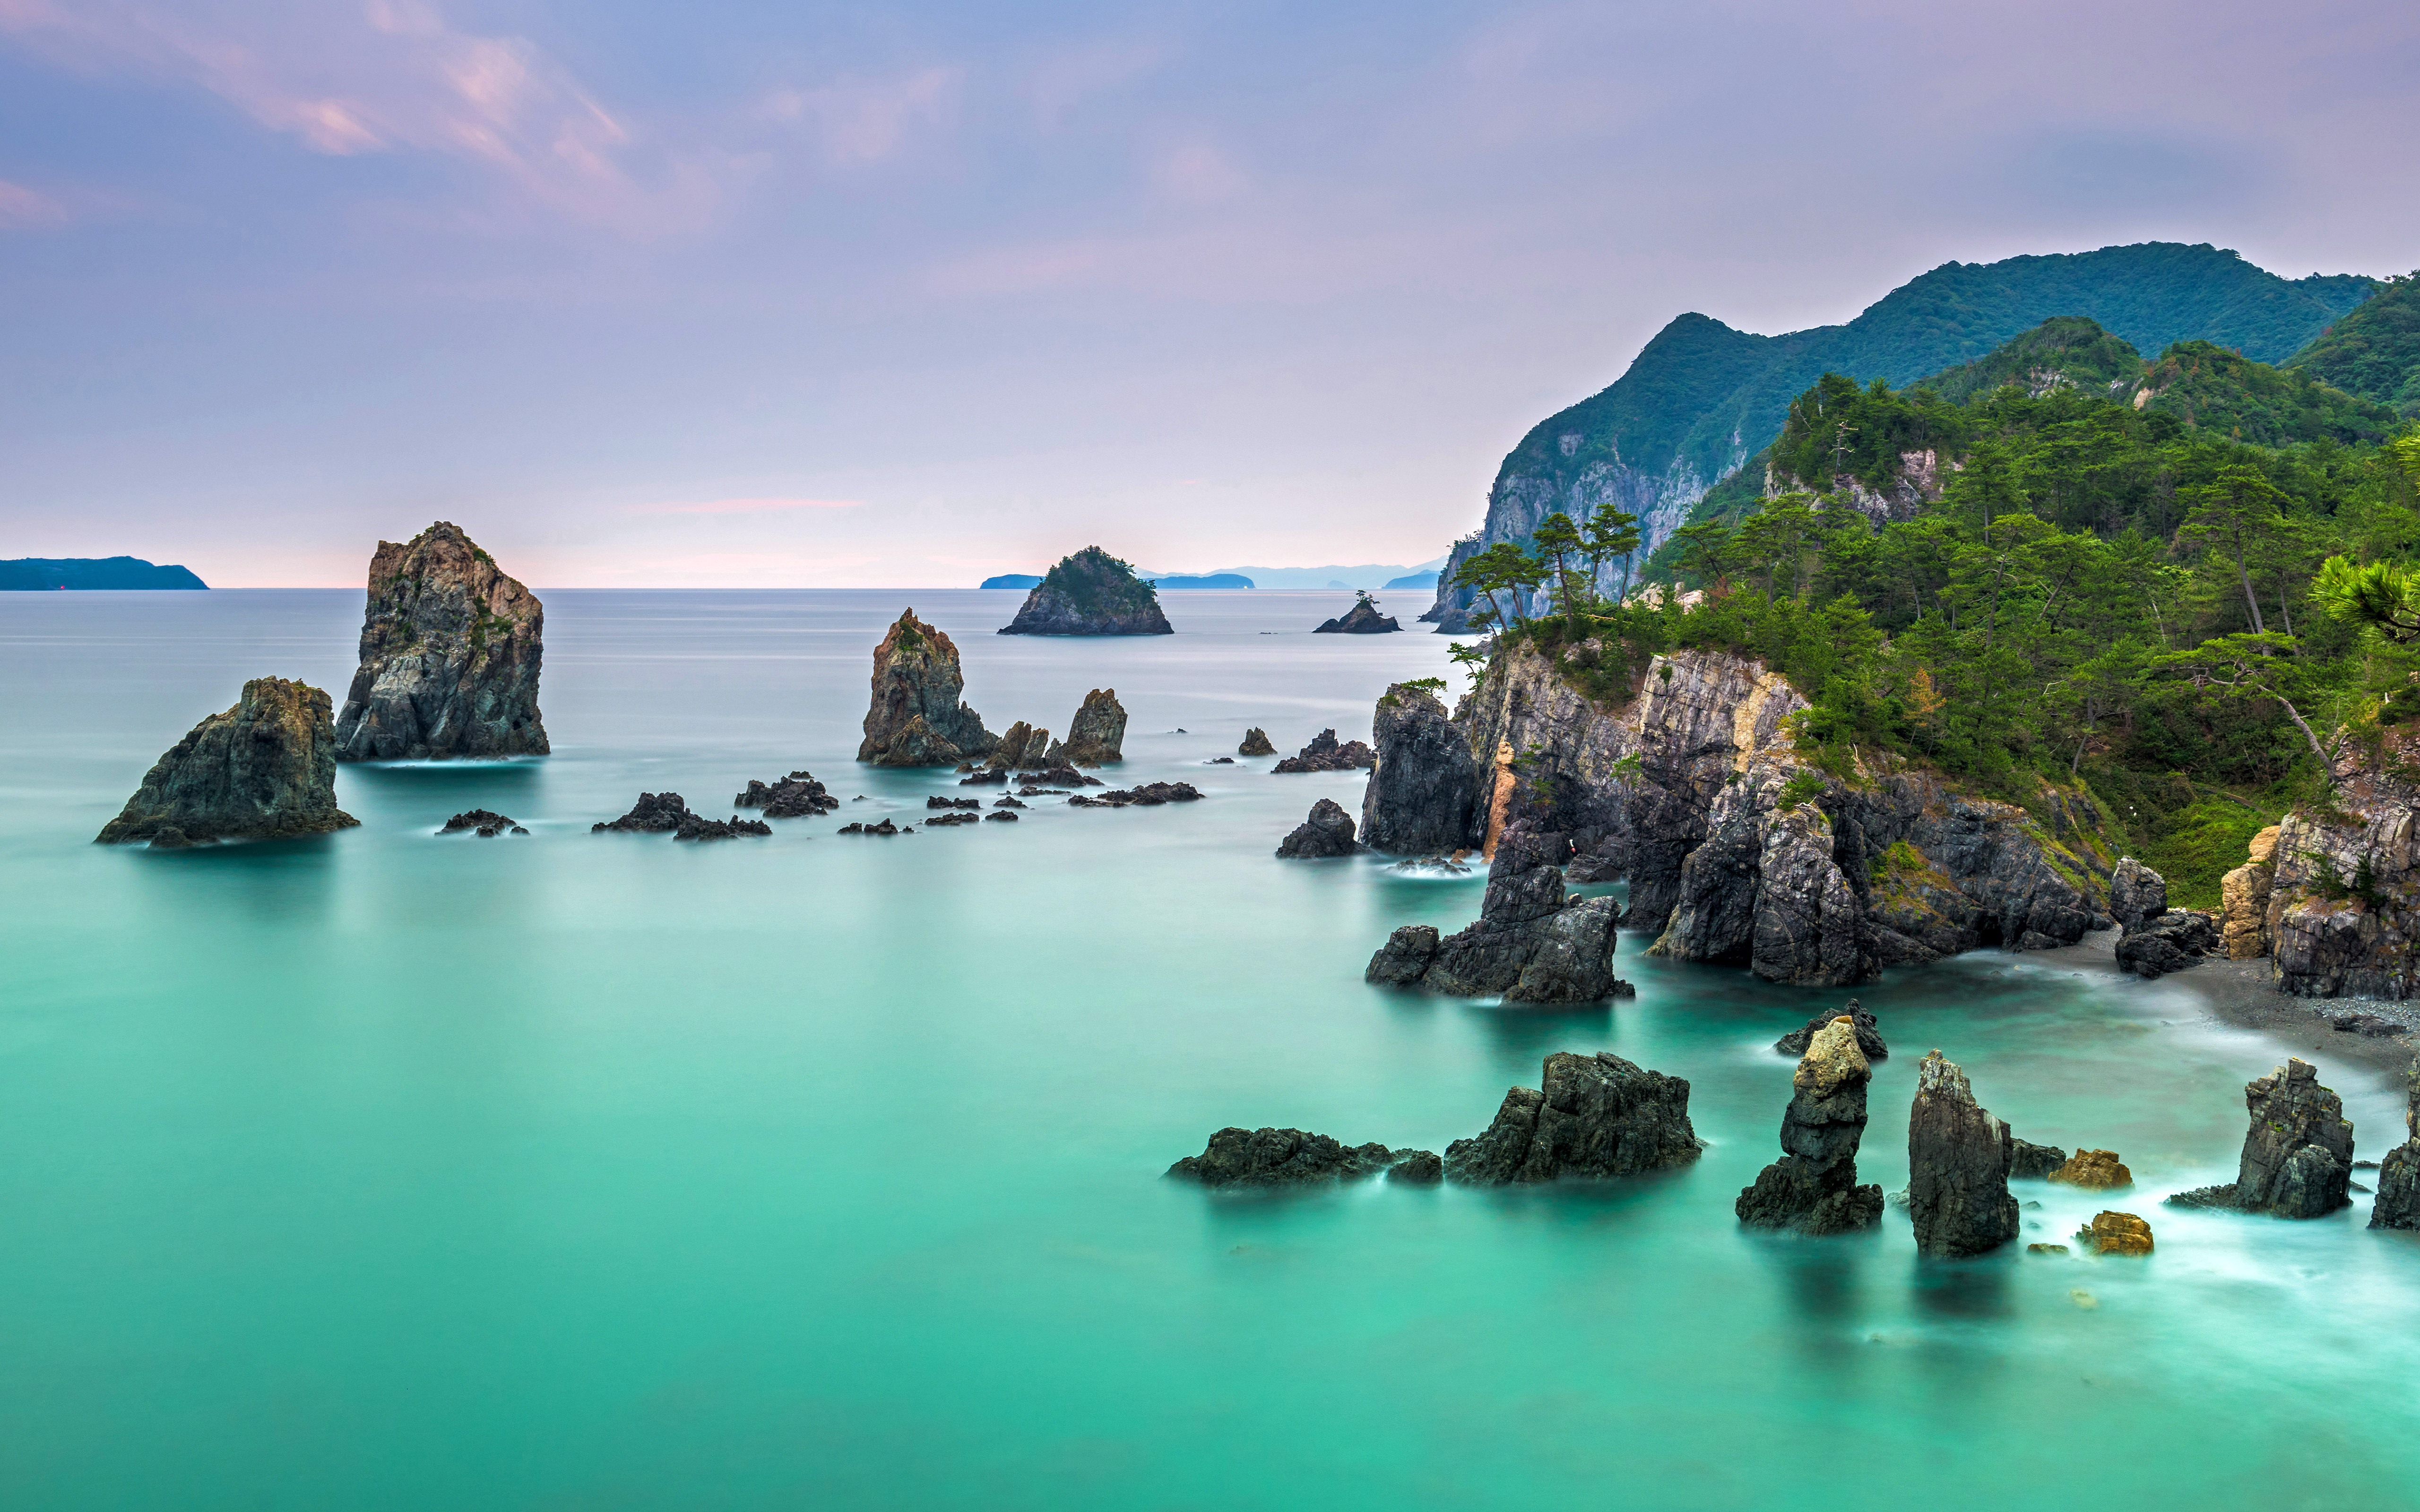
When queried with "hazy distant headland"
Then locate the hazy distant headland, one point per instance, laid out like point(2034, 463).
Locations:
point(1367, 575)
point(92, 572)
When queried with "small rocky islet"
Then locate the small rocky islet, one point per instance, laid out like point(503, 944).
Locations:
point(263, 770)
point(1361, 619)
point(1090, 593)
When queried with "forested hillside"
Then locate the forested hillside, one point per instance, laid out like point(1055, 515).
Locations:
point(2374, 352)
point(2176, 581)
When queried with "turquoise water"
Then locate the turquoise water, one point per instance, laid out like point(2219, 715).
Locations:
point(386, 1171)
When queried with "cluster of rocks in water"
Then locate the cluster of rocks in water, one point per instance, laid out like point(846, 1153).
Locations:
point(485, 822)
point(1326, 754)
point(2297, 1158)
point(1147, 794)
point(797, 796)
point(1533, 942)
point(657, 813)
point(2153, 938)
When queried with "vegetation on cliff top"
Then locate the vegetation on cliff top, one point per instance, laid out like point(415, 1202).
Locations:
point(1098, 583)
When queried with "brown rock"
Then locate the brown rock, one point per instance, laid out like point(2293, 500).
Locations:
point(1256, 743)
point(2115, 1233)
point(2095, 1170)
point(2243, 893)
point(916, 717)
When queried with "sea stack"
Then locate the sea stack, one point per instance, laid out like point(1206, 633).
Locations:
point(2297, 1155)
point(1090, 593)
point(1361, 619)
point(265, 769)
point(1256, 743)
point(1813, 1187)
point(1531, 942)
point(1425, 790)
point(916, 717)
point(1591, 1116)
point(1097, 736)
point(2398, 1175)
point(450, 652)
point(1958, 1158)
point(1328, 833)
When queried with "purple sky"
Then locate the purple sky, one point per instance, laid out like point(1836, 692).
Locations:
point(839, 296)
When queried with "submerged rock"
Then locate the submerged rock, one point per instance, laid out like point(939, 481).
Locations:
point(1064, 777)
point(797, 796)
point(1148, 794)
point(2033, 1163)
point(654, 813)
point(697, 827)
point(485, 822)
point(2297, 1155)
point(265, 769)
point(1090, 593)
point(1324, 754)
point(450, 651)
point(2398, 1175)
point(2168, 942)
point(2137, 893)
point(1593, 1116)
point(936, 801)
point(2095, 1170)
point(1361, 619)
point(2115, 1233)
point(1813, 1188)
point(1957, 1161)
point(1328, 832)
point(916, 717)
point(1256, 743)
point(885, 827)
point(1531, 942)
point(1097, 736)
point(1290, 1157)
point(1423, 795)
point(1870, 1039)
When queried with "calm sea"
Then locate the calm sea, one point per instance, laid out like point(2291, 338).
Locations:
point(387, 1171)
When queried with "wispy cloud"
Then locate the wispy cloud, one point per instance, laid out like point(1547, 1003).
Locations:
point(23, 209)
point(743, 506)
point(859, 121)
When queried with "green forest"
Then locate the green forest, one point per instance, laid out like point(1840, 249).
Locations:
point(2179, 583)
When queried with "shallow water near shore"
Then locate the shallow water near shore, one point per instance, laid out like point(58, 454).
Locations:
point(392, 1171)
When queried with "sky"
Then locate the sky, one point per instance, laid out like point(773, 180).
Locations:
point(811, 295)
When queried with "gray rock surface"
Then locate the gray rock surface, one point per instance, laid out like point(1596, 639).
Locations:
point(1097, 736)
point(1291, 1157)
point(1090, 593)
point(2167, 942)
point(450, 651)
point(797, 796)
point(1869, 1037)
point(1022, 746)
point(2297, 1155)
point(1813, 1188)
point(1957, 1164)
point(2137, 893)
point(1256, 743)
point(1593, 1116)
point(1423, 795)
point(265, 769)
point(1328, 832)
point(2398, 1205)
point(916, 717)
point(1326, 754)
point(2033, 1163)
point(1532, 942)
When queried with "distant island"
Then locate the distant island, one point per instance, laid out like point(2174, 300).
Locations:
point(1090, 593)
point(46, 573)
point(1295, 578)
point(1203, 582)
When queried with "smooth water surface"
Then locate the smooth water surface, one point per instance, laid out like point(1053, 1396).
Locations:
point(391, 1172)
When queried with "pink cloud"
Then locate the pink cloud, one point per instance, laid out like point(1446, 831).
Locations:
point(20, 207)
point(744, 506)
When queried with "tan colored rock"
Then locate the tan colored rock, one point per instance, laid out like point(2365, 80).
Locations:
point(2115, 1233)
point(2264, 846)
point(2095, 1170)
point(2244, 910)
point(1832, 1061)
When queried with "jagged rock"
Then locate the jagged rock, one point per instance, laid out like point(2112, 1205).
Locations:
point(2243, 894)
point(2398, 1176)
point(1148, 794)
point(2137, 893)
point(1593, 1116)
point(1065, 777)
point(1361, 619)
point(1281, 1157)
point(1005, 801)
point(1022, 745)
point(2095, 1170)
point(697, 827)
point(2033, 1163)
point(1328, 832)
point(1097, 736)
point(936, 801)
point(1531, 942)
point(1813, 1187)
point(1958, 1162)
point(1870, 1038)
point(1090, 593)
point(989, 778)
point(449, 657)
point(1764, 889)
point(265, 769)
point(1404, 959)
point(654, 813)
point(1256, 743)
point(2297, 1154)
point(2168, 942)
point(916, 717)
point(2344, 902)
point(1324, 755)
point(885, 827)
point(1003, 813)
point(2115, 1233)
point(1416, 1167)
point(797, 796)
point(945, 821)
point(485, 822)
point(1423, 795)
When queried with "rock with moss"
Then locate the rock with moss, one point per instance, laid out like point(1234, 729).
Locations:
point(265, 769)
point(1361, 619)
point(1256, 743)
point(1869, 1030)
point(1090, 593)
point(1813, 1188)
point(1591, 1116)
point(916, 717)
point(450, 651)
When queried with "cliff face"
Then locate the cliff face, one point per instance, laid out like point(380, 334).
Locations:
point(1738, 851)
point(450, 652)
point(2343, 905)
point(915, 716)
point(263, 770)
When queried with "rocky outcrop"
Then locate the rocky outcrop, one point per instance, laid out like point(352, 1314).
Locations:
point(797, 796)
point(1868, 1031)
point(1097, 736)
point(449, 657)
point(485, 822)
point(2137, 893)
point(697, 827)
point(1813, 1189)
point(1324, 754)
point(2115, 1233)
point(2033, 1163)
point(658, 813)
point(1957, 1166)
point(2244, 900)
point(2344, 902)
point(1256, 743)
point(265, 769)
point(1328, 832)
point(2095, 1170)
point(1148, 794)
point(2167, 942)
point(2297, 1155)
point(1022, 746)
point(1425, 799)
point(916, 717)
point(1090, 593)
point(1361, 619)
point(1532, 942)
point(1764, 889)
point(1590, 1116)
point(1290, 1157)
point(2398, 1205)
